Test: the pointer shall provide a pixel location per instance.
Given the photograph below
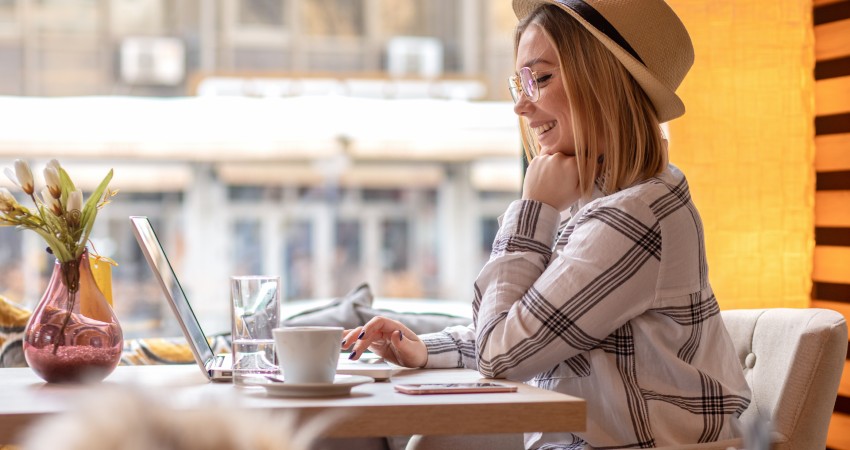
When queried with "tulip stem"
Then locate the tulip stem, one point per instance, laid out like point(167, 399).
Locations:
point(71, 278)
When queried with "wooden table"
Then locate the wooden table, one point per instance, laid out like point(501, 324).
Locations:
point(373, 409)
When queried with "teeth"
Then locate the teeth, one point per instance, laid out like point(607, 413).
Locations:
point(544, 128)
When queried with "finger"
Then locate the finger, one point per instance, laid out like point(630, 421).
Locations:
point(360, 346)
point(376, 335)
point(397, 333)
point(376, 340)
point(396, 347)
point(355, 339)
point(405, 349)
point(349, 337)
point(377, 326)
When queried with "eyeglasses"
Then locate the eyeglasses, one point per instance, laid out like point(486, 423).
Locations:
point(526, 82)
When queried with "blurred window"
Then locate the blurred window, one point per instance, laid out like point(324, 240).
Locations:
point(255, 25)
point(254, 193)
point(8, 12)
point(298, 259)
point(11, 274)
point(248, 254)
point(10, 244)
point(503, 18)
point(139, 301)
point(153, 197)
point(67, 16)
point(489, 228)
point(139, 17)
point(348, 255)
point(271, 58)
point(382, 195)
point(404, 17)
point(11, 60)
point(334, 17)
point(69, 57)
point(260, 13)
point(396, 248)
point(440, 19)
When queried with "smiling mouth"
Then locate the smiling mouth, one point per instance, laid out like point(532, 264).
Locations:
point(544, 128)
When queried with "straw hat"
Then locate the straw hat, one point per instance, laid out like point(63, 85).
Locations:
point(646, 36)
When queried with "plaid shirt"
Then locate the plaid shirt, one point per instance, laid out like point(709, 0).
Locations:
point(616, 308)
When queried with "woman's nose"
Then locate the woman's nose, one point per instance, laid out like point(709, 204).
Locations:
point(523, 106)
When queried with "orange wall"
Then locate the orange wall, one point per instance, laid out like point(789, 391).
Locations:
point(746, 144)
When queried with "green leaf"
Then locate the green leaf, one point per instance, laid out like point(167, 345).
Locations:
point(90, 211)
point(54, 223)
point(57, 228)
point(94, 199)
point(65, 180)
point(66, 185)
point(58, 248)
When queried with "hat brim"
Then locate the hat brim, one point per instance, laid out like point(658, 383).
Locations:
point(668, 105)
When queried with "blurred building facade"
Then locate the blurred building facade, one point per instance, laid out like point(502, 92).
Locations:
point(104, 47)
point(413, 221)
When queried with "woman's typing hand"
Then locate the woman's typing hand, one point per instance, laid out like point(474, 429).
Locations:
point(389, 339)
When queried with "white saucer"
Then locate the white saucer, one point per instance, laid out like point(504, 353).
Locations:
point(340, 387)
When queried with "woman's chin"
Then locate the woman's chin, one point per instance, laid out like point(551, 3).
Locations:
point(547, 150)
point(544, 150)
point(548, 146)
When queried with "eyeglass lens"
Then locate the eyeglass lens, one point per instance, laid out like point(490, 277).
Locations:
point(526, 82)
point(529, 83)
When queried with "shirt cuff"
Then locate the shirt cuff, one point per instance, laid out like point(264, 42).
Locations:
point(532, 220)
point(443, 352)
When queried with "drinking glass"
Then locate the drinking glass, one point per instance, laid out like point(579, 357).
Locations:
point(256, 312)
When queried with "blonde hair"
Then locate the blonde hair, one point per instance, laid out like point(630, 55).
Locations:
point(611, 114)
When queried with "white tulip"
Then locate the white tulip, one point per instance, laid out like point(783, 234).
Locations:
point(75, 201)
point(52, 203)
point(11, 176)
point(7, 200)
point(22, 169)
point(74, 207)
point(51, 177)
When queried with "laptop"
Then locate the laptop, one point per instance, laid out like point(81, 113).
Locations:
point(219, 367)
point(215, 367)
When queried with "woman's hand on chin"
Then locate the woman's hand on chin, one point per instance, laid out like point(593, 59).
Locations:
point(552, 179)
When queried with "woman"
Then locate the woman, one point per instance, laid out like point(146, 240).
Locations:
point(614, 305)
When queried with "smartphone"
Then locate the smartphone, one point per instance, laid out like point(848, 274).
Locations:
point(453, 388)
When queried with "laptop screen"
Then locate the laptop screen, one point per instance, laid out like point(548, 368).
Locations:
point(158, 261)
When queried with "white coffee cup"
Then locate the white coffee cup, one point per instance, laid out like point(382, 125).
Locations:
point(308, 354)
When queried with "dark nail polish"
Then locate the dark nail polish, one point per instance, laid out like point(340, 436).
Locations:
point(400, 336)
point(352, 355)
point(343, 341)
point(360, 336)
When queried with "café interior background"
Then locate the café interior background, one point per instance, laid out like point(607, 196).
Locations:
point(228, 122)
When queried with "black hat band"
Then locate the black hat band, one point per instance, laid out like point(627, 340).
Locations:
point(599, 22)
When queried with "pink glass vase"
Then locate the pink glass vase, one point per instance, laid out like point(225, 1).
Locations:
point(73, 336)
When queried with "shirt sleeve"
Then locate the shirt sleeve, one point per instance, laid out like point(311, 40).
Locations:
point(451, 348)
point(535, 307)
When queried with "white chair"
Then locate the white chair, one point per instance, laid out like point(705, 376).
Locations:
point(792, 360)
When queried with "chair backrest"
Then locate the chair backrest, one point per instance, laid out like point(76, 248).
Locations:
point(792, 360)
